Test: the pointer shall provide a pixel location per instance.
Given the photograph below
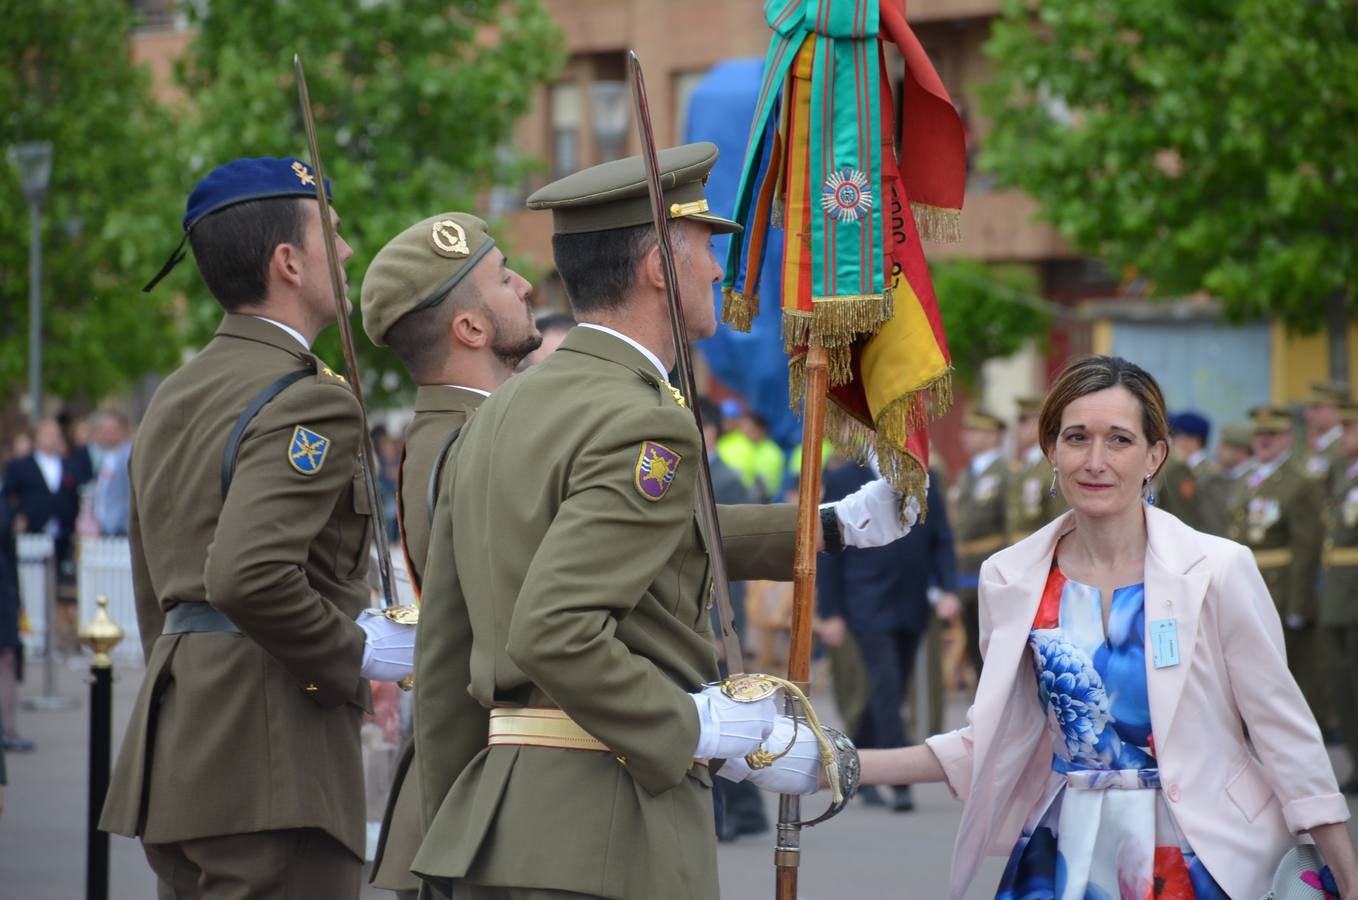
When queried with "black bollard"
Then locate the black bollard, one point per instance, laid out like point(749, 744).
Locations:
point(100, 634)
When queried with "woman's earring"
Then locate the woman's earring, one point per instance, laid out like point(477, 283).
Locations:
point(1147, 492)
point(1051, 491)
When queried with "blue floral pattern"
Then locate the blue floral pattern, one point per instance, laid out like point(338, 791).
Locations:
point(1104, 791)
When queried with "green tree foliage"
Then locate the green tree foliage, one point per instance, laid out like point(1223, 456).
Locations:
point(989, 312)
point(415, 102)
point(67, 78)
point(1210, 145)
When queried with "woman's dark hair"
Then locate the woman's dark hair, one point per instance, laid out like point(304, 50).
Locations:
point(233, 247)
point(1097, 373)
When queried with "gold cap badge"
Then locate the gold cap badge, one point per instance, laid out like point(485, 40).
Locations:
point(449, 239)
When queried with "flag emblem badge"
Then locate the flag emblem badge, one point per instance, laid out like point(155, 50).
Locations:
point(846, 195)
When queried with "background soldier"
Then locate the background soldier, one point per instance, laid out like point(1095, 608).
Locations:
point(241, 768)
point(1234, 456)
point(443, 297)
point(1030, 503)
point(1278, 517)
point(1179, 487)
point(562, 731)
point(1339, 597)
point(1324, 460)
point(980, 494)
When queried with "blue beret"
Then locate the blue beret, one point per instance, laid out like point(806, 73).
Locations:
point(1190, 423)
point(259, 178)
point(250, 179)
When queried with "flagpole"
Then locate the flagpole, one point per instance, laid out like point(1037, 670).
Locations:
point(787, 850)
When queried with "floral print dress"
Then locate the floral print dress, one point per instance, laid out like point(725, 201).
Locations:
point(1102, 830)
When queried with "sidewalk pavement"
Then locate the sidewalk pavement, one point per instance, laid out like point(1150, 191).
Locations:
point(864, 853)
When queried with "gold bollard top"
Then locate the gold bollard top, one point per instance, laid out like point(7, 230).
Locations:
point(101, 634)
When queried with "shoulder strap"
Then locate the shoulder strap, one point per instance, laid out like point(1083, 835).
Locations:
point(264, 396)
point(433, 495)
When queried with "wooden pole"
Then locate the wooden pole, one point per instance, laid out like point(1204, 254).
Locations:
point(787, 851)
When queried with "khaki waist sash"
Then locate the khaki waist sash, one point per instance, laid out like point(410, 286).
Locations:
point(543, 726)
point(1273, 559)
point(977, 546)
point(1341, 556)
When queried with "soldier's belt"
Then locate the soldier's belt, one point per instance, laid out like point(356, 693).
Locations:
point(1341, 556)
point(542, 726)
point(195, 618)
point(1273, 559)
point(977, 546)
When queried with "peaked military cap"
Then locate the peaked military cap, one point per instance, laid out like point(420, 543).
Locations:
point(983, 420)
point(1348, 412)
point(257, 178)
point(418, 268)
point(615, 194)
point(1328, 392)
point(1028, 406)
point(1237, 435)
point(1264, 419)
point(1190, 423)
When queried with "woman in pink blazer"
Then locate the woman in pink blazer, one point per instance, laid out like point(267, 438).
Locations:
point(1126, 655)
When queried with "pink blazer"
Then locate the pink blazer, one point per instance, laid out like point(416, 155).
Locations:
point(1238, 809)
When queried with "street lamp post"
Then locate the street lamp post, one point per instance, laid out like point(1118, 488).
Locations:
point(33, 160)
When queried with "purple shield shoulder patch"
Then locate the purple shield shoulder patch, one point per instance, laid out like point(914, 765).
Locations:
point(656, 465)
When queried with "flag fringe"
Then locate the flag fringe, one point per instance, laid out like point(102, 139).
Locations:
point(937, 223)
point(738, 310)
point(836, 321)
point(902, 469)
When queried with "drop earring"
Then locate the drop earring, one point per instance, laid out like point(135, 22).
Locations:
point(1051, 491)
point(1147, 491)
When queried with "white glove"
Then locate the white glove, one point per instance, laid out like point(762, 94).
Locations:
point(872, 516)
point(728, 728)
point(796, 772)
point(388, 648)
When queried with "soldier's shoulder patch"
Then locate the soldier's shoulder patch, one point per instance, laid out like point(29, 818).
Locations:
point(307, 450)
point(655, 468)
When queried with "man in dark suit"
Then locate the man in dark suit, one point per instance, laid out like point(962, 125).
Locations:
point(881, 595)
point(43, 492)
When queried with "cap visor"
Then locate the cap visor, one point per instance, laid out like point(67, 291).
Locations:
point(717, 223)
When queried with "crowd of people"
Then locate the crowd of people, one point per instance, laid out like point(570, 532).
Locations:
point(569, 735)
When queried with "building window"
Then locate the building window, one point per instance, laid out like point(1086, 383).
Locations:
point(610, 117)
point(565, 129)
point(684, 85)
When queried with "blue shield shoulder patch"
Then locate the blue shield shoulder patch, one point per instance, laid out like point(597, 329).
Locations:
point(307, 451)
point(655, 470)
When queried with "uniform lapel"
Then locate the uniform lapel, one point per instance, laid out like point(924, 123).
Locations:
point(1175, 588)
point(251, 328)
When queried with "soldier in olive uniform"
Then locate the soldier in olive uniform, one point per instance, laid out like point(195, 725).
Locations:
point(1279, 518)
point(443, 297)
point(241, 768)
point(1179, 488)
point(1324, 461)
point(562, 730)
point(1031, 503)
point(1339, 592)
point(1234, 457)
point(980, 500)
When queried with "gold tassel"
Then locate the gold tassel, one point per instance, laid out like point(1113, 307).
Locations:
point(836, 321)
point(937, 223)
point(737, 310)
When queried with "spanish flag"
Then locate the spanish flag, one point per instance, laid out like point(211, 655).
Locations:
point(854, 191)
